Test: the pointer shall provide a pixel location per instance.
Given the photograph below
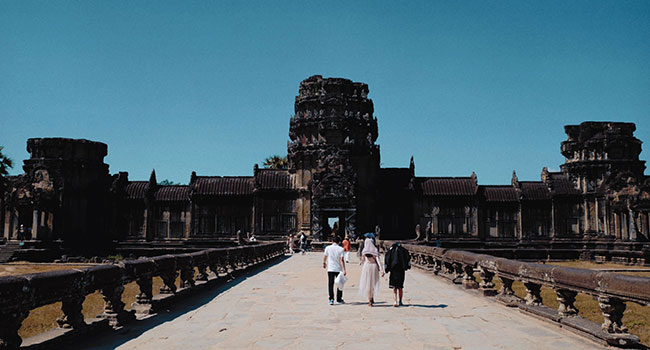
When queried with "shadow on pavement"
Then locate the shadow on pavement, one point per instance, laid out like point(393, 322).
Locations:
point(439, 306)
point(113, 339)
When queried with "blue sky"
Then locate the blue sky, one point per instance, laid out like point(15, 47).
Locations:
point(209, 86)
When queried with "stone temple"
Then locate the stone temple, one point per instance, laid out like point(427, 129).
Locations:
point(597, 205)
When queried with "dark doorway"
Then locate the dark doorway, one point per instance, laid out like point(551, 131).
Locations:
point(335, 225)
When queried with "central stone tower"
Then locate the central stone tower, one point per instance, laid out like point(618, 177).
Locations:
point(333, 155)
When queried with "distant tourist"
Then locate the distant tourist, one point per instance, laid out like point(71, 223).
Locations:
point(359, 246)
point(252, 239)
point(376, 239)
point(369, 282)
point(334, 264)
point(397, 261)
point(290, 244)
point(303, 243)
point(346, 249)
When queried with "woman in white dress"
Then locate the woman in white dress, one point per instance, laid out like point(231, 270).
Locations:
point(369, 283)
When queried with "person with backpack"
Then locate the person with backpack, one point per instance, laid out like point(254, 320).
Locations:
point(397, 261)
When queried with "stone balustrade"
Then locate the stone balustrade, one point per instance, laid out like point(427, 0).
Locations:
point(20, 294)
point(611, 290)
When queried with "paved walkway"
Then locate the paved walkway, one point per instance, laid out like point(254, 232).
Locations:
point(285, 307)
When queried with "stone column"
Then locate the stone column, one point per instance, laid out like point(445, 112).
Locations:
point(486, 285)
point(520, 224)
point(475, 229)
point(612, 309)
point(566, 298)
point(596, 215)
point(533, 296)
point(114, 307)
point(606, 219)
point(35, 224)
point(586, 220)
point(71, 306)
point(49, 222)
point(188, 223)
point(142, 304)
point(506, 286)
point(469, 281)
point(553, 223)
point(8, 228)
point(146, 230)
point(434, 223)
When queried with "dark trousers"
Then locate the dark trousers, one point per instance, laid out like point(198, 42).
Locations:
point(331, 276)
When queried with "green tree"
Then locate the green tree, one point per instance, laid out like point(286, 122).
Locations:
point(276, 162)
point(5, 163)
point(166, 182)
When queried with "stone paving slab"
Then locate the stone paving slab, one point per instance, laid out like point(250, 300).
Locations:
point(285, 307)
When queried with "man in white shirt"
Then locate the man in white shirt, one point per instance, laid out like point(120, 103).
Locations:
point(334, 263)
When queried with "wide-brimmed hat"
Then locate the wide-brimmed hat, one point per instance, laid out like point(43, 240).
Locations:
point(369, 235)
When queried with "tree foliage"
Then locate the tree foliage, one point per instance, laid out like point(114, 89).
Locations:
point(5, 163)
point(167, 182)
point(276, 162)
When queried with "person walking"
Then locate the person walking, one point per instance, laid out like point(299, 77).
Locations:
point(290, 244)
point(334, 264)
point(369, 282)
point(346, 249)
point(303, 243)
point(397, 261)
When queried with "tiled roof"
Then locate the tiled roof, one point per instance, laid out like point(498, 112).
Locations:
point(136, 189)
point(448, 186)
point(499, 193)
point(174, 193)
point(267, 179)
point(533, 190)
point(560, 184)
point(223, 186)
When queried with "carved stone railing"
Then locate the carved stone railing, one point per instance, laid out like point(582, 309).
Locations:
point(20, 294)
point(611, 290)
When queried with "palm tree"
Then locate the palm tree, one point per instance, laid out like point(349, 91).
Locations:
point(276, 162)
point(5, 163)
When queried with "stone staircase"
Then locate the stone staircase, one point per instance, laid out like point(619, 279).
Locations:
point(7, 251)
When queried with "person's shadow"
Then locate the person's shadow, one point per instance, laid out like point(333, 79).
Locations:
point(439, 306)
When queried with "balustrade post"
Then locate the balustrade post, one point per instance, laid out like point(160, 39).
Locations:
point(612, 309)
point(437, 266)
point(71, 305)
point(448, 268)
point(533, 296)
point(566, 298)
point(506, 286)
point(187, 276)
point(215, 267)
point(10, 322)
point(142, 304)
point(169, 282)
point(458, 271)
point(203, 272)
point(113, 306)
point(469, 281)
point(430, 262)
point(487, 286)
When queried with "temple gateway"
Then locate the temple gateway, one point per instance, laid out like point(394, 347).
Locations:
point(334, 185)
